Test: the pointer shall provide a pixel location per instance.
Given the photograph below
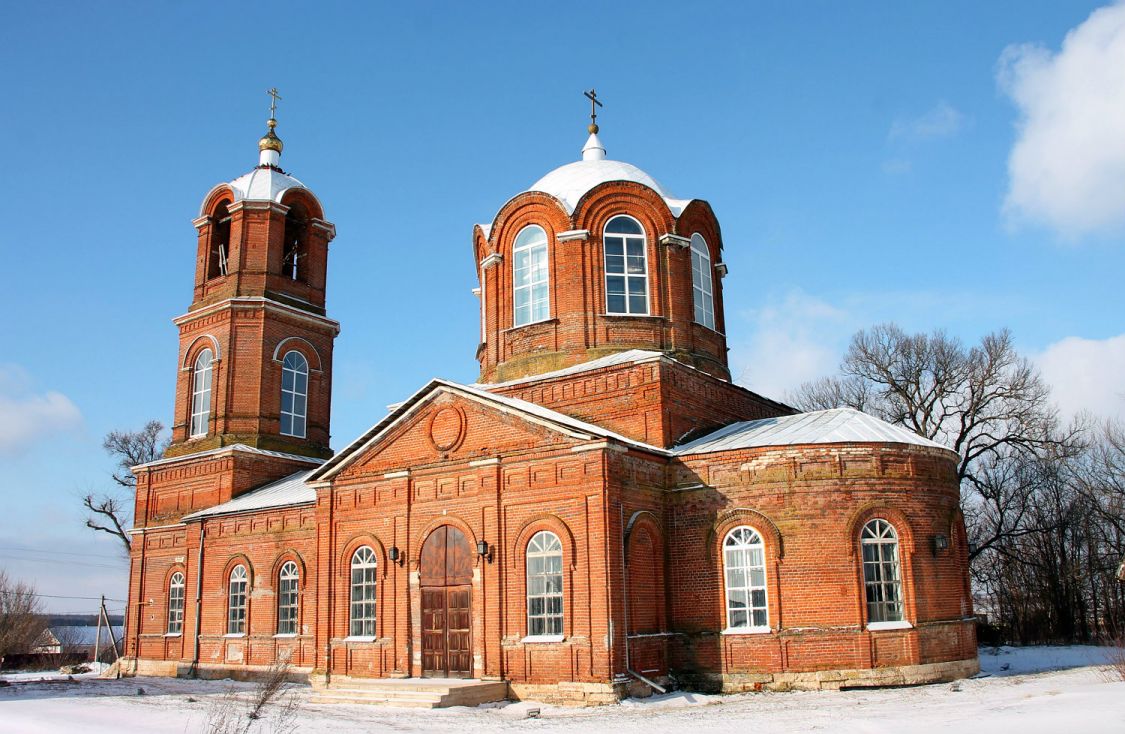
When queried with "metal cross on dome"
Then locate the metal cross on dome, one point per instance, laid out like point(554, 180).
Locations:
point(595, 103)
point(273, 102)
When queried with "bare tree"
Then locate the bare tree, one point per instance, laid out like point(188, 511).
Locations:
point(269, 703)
point(111, 512)
point(985, 402)
point(21, 616)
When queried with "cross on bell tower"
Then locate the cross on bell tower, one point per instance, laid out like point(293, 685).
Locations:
point(595, 103)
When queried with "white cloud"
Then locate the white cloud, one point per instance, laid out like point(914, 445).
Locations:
point(1086, 375)
point(797, 339)
point(1067, 166)
point(27, 416)
point(941, 121)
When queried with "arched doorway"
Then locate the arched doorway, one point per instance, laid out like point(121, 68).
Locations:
point(446, 576)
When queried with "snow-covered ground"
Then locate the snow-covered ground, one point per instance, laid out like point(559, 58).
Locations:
point(1028, 690)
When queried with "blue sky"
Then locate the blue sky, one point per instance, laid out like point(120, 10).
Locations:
point(950, 164)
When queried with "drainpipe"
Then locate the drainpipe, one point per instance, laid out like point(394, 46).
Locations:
point(625, 600)
point(198, 602)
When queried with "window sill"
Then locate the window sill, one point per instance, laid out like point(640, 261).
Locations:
point(632, 316)
point(900, 625)
point(360, 638)
point(173, 634)
point(232, 635)
point(543, 638)
point(747, 630)
point(285, 635)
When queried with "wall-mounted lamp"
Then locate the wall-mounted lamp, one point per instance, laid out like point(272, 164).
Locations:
point(940, 543)
point(396, 555)
point(484, 551)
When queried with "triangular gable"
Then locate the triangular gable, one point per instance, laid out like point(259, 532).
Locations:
point(412, 406)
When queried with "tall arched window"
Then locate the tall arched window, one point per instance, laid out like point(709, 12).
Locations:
point(544, 585)
point(236, 601)
point(530, 279)
point(201, 394)
point(220, 241)
point(363, 594)
point(744, 565)
point(176, 604)
point(881, 577)
point(294, 394)
point(288, 579)
point(701, 282)
point(626, 267)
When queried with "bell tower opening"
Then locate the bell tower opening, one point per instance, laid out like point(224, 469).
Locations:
point(294, 250)
point(219, 251)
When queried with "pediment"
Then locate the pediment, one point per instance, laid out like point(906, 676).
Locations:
point(447, 427)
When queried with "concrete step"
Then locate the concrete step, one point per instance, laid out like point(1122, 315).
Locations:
point(413, 692)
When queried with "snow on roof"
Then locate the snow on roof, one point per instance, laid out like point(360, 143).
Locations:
point(631, 356)
point(233, 447)
point(571, 182)
point(264, 184)
point(840, 425)
point(285, 492)
point(474, 392)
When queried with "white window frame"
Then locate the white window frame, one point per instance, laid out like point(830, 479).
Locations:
point(175, 604)
point(238, 587)
point(882, 575)
point(739, 547)
point(702, 282)
point(288, 598)
point(202, 377)
point(532, 246)
point(294, 366)
point(628, 277)
point(544, 587)
point(362, 609)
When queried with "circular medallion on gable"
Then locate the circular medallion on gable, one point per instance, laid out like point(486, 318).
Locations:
point(447, 428)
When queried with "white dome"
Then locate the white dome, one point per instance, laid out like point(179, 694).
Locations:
point(263, 184)
point(571, 182)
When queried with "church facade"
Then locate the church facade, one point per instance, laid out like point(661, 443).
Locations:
point(603, 512)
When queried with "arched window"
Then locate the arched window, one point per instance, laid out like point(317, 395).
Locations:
point(544, 585)
point(201, 394)
point(236, 601)
point(293, 252)
point(744, 564)
point(530, 286)
point(176, 604)
point(626, 267)
point(220, 241)
point(701, 282)
point(294, 394)
point(881, 576)
point(363, 593)
point(287, 582)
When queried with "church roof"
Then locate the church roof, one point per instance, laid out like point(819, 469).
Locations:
point(839, 425)
point(629, 356)
point(285, 492)
point(571, 182)
point(225, 450)
point(264, 184)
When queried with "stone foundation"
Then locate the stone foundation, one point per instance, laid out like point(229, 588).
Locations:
point(130, 667)
point(569, 693)
point(822, 680)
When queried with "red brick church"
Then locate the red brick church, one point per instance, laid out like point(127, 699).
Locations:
point(603, 512)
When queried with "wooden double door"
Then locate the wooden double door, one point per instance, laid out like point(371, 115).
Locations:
point(446, 576)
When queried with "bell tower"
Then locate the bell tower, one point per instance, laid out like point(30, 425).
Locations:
point(255, 357)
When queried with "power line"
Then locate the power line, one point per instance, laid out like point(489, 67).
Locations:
point(60, 562)
point(57, 553)
point(56, 596)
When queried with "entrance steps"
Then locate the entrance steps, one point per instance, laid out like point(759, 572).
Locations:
point(427, 693)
